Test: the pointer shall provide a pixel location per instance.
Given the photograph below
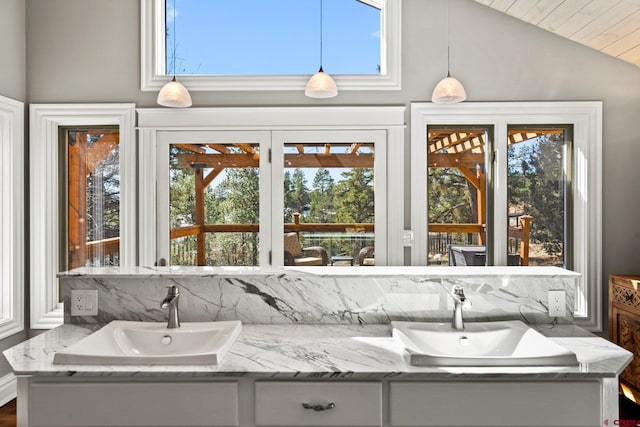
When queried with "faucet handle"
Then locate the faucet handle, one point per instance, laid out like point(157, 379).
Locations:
point(173, 290)
point(458, 291)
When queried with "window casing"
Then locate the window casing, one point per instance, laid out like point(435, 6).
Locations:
point(586, 182)
point(153, 54)
point(11, 216)
point(44, 196)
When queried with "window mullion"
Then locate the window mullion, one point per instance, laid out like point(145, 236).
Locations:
point(277, 197)
point(499, 212)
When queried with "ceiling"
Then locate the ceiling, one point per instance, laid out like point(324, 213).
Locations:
point(610, 26)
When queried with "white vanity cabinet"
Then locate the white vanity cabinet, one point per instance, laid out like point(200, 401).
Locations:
point(100, 402)
point(245, 402)
point(495, 403)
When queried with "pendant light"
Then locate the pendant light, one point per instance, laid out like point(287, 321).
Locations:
point(321, 85)
point(449, 90)
point(174, 94)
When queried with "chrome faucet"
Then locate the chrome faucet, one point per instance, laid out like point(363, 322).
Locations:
point(460, 302)
point(171, 302)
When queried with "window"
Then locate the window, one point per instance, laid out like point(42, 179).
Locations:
point(270, 45)
point(231, 194)
point(334, 197)
point(457, 194)
point(539, 202)
point(11, 217)
point(542, 197)
point(209, 197)
point(92, 128)
point(278, 37)
point(91, 163)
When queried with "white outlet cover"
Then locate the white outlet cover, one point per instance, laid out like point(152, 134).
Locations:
point(84, 302)
point(557, 303)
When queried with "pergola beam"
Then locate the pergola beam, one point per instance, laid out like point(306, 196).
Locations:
point(458, 160)
point(246, 160)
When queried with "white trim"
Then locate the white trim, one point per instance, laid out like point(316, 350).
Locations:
point(8, 388)
point(45, 120)
point(586, 118)
point(153, 76)
point(154, 121)
point(11, 217)
point(266, 118)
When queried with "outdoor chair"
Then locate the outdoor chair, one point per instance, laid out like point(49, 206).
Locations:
point(366, 256)
point(295, 254)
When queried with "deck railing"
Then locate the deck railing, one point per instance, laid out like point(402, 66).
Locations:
point(338, 238)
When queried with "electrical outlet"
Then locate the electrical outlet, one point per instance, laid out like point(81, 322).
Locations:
point(557, 303)
point(84, 302)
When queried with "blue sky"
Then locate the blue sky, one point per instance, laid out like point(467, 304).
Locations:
point(243, 37)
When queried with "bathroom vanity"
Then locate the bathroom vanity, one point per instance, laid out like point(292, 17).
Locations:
point(316, 349)
point(347, 375)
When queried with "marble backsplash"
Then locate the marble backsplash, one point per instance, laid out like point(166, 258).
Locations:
point(333, 295)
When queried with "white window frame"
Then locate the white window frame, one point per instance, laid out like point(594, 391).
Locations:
point(11, 216)
point(166, 138)
point(586, 118)
point(153, 74)
point(45, 121)
point(153, 123)
point(378, 138)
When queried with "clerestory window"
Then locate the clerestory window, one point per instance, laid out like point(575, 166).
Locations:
point(270, 45)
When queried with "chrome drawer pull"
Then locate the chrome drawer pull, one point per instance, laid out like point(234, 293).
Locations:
point(319, 407)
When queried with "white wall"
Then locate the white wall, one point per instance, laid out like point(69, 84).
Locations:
point(12, 49)
point(89, 51)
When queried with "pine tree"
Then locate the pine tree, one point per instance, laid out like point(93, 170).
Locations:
point(322, 198)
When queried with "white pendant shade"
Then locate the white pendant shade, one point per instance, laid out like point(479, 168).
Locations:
point(174, 94)
point(448, 91)
point(321, 85)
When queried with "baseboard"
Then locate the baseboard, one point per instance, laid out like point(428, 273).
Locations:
point(8, 388)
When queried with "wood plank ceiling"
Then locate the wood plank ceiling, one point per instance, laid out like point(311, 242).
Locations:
point(610, 26)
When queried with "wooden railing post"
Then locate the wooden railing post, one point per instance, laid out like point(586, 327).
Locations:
point(524, 244)
point(199, 217)
point(296, 222)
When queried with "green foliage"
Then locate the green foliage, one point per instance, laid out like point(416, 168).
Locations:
point(182, 204)
point(354, 196)
point(297, 196)
point(450, 199)
point(322, 198)
point(536, 183)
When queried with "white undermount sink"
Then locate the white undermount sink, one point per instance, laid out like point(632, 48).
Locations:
point(141, 343)
point(502, 343)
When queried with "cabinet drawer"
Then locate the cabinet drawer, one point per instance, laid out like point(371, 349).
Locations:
point(515, 404)
point(158, 404)
point(281, 403)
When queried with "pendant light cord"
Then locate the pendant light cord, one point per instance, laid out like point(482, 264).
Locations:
point(174, 38)
point(321, 35)
point(448, 53)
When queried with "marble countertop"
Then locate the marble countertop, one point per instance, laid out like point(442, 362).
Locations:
point(357, 271)
point(319, 352)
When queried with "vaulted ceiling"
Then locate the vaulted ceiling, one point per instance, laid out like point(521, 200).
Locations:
point(610, 26)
